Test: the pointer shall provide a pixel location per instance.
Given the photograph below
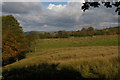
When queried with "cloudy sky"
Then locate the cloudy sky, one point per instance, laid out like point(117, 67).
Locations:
point(54, 16)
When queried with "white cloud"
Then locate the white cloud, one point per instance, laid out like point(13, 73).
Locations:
point(45, 26)
point(56, 7)
point(71, 11)
point(81, 1)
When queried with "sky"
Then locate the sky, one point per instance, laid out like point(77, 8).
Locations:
point(54, 16)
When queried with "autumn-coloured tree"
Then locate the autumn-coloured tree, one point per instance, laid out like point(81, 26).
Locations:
point(9, 48)
point(14, 42)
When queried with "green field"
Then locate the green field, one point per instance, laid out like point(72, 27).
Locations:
point(92, 57)
point(46, 44)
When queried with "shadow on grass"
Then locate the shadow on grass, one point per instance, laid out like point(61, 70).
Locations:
point(43, 72)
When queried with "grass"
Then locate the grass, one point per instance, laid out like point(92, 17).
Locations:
point(108, 40)
point(48, 44)
point(91, 57)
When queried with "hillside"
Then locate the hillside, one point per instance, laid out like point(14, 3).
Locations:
point(92, 57)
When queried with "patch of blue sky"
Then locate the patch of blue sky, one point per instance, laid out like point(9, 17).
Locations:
point(53, 0)
point(45, 4)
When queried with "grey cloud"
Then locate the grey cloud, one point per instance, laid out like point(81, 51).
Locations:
point(98, 16)
point(20, 7)
point(65, 18)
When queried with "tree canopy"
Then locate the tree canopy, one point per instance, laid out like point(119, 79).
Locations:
point(87, 5)
point(14, 42)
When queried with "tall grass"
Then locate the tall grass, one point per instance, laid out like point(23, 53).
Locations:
point(104, 69)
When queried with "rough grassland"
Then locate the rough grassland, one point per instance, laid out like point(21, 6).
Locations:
point(93, 57)
point(108, 40)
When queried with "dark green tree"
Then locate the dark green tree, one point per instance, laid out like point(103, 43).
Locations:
point(62, 34)
point(87, 5)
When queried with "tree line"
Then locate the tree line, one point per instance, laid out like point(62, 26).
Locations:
point(89, 31)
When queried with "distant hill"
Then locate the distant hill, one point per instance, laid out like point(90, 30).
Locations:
point(110, 28)
point(39, 32)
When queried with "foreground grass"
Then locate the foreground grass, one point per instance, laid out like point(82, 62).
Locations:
point(90, 62)
point(77, 58)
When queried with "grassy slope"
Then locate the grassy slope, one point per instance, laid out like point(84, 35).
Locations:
point(99, 53)
point(46, 44)
point(77, 42)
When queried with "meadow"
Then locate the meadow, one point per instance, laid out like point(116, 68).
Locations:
point(75, 58)
point(105, 40)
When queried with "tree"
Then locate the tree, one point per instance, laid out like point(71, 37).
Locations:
point(47, 35)
point(62, 34)
point(14, 44)
point(32, 37)
point(90, 29)
point(83, 29)
point(87, 5)
point(9, 46)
